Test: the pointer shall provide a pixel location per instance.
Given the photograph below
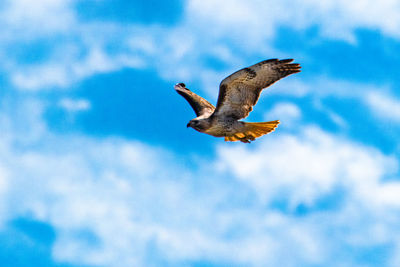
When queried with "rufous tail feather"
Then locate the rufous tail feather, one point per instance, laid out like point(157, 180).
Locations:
point(253, 130)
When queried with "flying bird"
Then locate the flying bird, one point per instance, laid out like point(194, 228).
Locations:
point(238, 93)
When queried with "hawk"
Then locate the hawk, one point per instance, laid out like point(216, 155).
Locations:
point(238, 93)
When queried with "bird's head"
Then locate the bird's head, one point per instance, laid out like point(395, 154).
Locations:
point(199, 125)
point(179, 86)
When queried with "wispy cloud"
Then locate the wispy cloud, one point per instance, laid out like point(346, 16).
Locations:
point(182, 44)
point(284, 111)
point(337, 19)
point(319, 161)
point(305, 197)
point(64, 73)
point(383, 105)
point(114, 200)
point(25, 19)
point(74, 105)
point(376, 97)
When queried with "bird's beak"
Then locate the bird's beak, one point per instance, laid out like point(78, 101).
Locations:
point(178, 86)
point(188, 125)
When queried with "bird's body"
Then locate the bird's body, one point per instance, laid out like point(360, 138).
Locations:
point(220, 128)
point(238, 94)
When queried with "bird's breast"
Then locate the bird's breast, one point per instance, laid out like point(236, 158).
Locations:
point(220, 128)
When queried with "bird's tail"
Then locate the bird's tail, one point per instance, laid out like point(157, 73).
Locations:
point(253, 130)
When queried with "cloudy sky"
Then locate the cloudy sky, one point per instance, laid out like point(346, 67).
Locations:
point(97, 167)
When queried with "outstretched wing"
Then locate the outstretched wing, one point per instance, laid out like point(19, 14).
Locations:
point(200, 105)
point(239, 92)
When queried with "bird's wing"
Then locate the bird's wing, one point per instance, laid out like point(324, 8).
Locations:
point(199, 104)
point(239, 92)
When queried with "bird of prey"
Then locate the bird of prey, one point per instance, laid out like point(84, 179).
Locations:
point(238, 93)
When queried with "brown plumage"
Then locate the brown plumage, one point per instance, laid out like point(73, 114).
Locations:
point(238, 93)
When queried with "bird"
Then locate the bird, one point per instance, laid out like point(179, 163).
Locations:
point(238, 93)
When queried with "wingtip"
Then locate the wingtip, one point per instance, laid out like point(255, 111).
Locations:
point(292, 67)
point(287, 64)
point(180, 86)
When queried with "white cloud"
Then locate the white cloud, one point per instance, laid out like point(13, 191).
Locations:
point(323, 86)
point(115, 202)
point(62, 74)
point(182, 45)
point(28, 19)
point(284, 111)
point(40, 76)
point(337, 119)
point(305, 167)
point(376, 97)
point(118, 202)
point(4, 177)
point(257, 19)
point(383, 105)
point(74, 105)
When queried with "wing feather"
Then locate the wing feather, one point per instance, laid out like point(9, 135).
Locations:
point(199, 105)
point(239, 92)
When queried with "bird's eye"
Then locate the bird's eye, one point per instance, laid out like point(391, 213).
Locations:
point(181, 84)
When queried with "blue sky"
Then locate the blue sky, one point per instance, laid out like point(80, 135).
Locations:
point(97, 167)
